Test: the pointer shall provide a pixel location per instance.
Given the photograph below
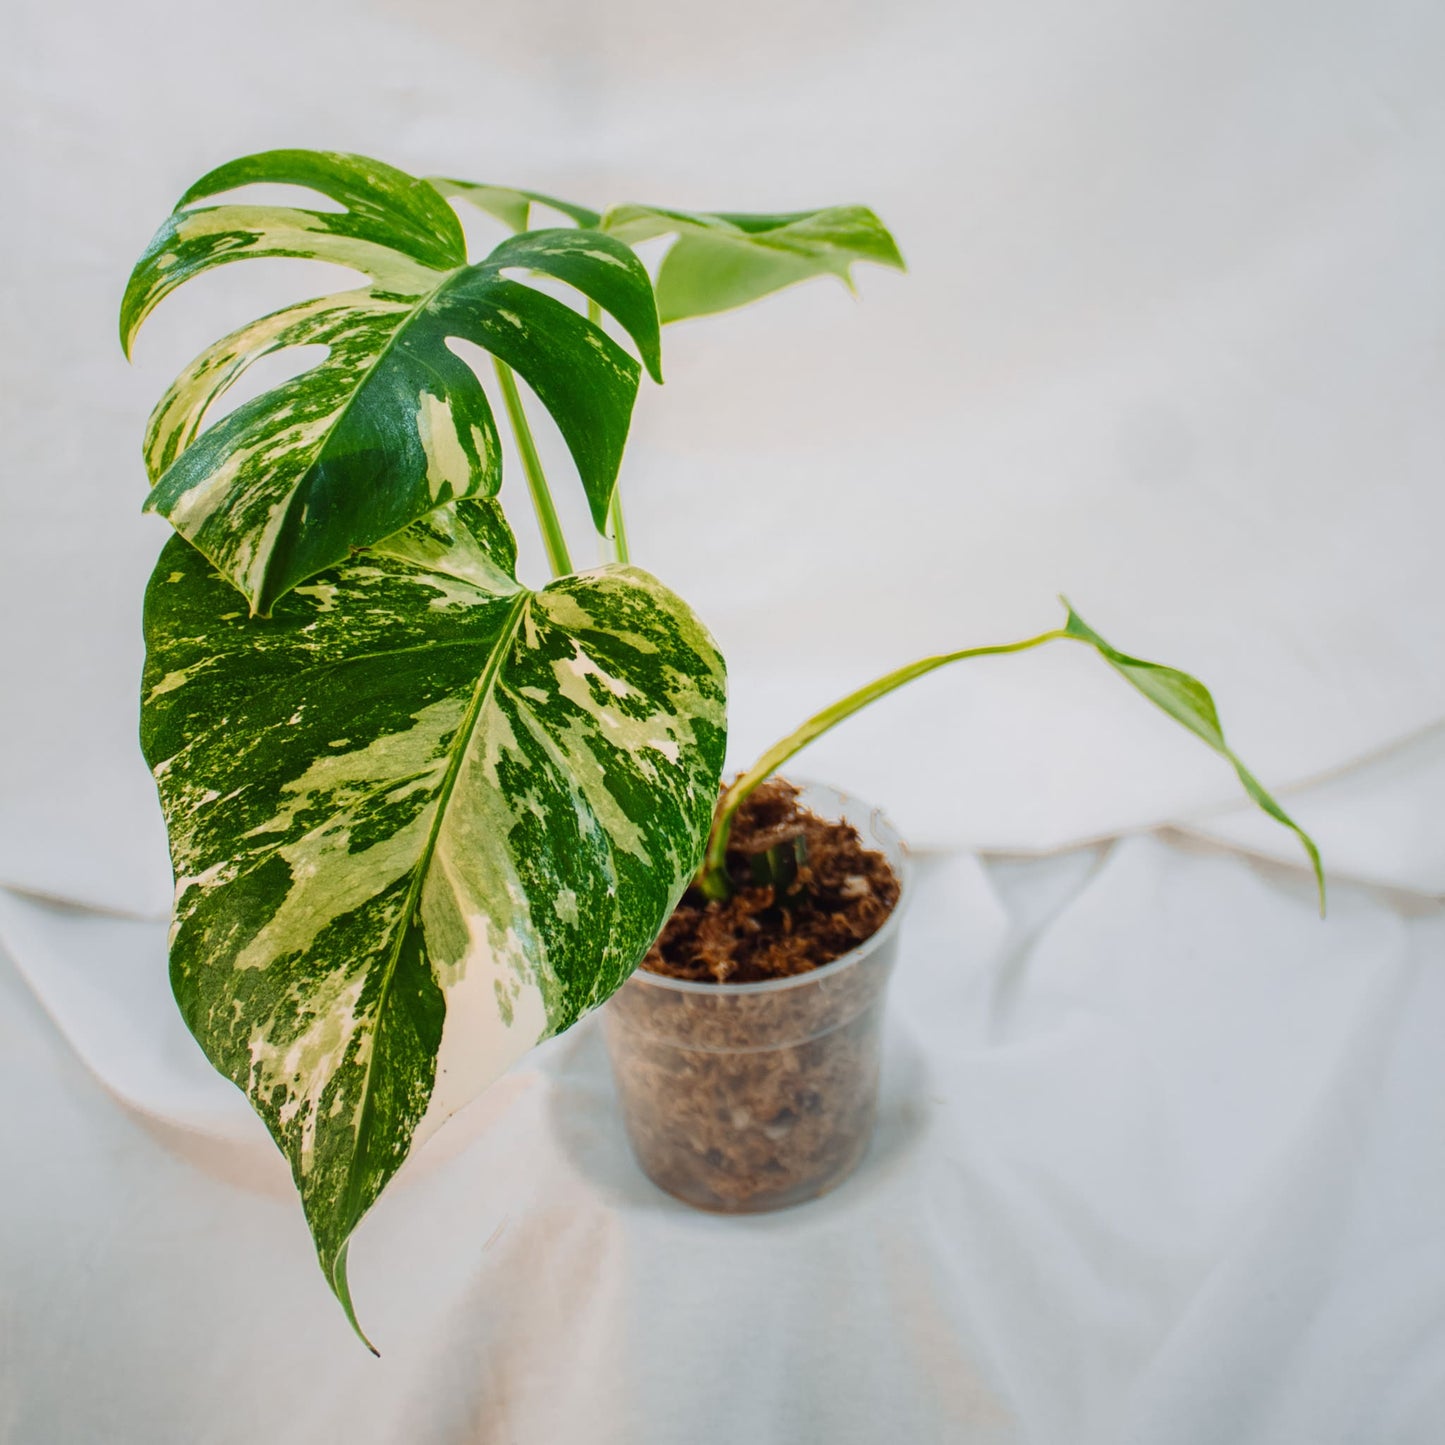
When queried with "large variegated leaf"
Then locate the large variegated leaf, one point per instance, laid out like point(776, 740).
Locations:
point(720, 260)
point(392, 422)
point(420, 818)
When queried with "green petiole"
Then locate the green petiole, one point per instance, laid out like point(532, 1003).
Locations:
point(714, 880)
point(548, 521)
point(1182, 697)
point(614, 540)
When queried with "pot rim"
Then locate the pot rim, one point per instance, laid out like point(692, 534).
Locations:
point(900, 859)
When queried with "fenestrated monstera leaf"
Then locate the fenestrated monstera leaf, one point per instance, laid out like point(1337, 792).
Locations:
point(393, 422)
point(721, 259)
point(420, 818)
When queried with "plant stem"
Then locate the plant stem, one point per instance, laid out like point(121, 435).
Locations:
point(713, 879)
point(614, 539)
point(617, 529)
point(547, 520)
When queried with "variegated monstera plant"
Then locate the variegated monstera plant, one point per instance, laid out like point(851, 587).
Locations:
point(421, 815)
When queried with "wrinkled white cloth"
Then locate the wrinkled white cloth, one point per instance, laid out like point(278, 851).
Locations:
point(1157, 1162)
point(1380, 822)
point(1159, 1157)
point(1169, 343)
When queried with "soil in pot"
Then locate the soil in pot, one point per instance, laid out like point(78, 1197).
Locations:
point(840, 896)
point(743, 1099)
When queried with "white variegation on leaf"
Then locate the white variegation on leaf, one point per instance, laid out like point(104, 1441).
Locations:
point(421, 818)
point(392, 423)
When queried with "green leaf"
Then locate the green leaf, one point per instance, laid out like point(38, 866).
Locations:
point(721, 259)
point(605, 273)
point(392, 422)
point(724, 260)
point(778, 867)
point(1182, 697)
point(510, 206)
point(1189, 703)
point(420, 818)
point(395, 226)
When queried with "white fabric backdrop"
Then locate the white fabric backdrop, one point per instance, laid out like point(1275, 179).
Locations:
point(1160, 1158)
point(1170, 343)
point(1158, 1162)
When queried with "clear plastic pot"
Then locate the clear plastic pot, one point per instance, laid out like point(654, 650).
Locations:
point(741, 1098)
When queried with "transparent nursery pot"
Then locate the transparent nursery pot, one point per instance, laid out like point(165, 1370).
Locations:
point(740, 1098)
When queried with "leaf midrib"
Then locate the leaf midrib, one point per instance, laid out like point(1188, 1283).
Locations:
point(486, 684)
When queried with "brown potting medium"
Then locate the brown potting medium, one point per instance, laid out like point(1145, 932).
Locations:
point(741, 1099)
point(842, 895)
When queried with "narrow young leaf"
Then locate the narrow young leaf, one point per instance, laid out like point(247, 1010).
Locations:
point(392, 422)
point(420, 819)
point(1188, 702)
point(1182, 697)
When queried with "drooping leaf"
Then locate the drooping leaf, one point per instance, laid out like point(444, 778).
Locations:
point(510, 206)
point(420, 818)
point(724, 260)
point(1188, 702)
point(392, 422)
point(1182, 697)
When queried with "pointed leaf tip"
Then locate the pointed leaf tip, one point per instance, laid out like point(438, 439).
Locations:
point(1190, 704)
point(341, 1288)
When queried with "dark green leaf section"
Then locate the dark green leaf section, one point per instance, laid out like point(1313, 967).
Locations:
point(393, 422)
point(420, 818)
point(1188, 702)
point(603, 270)
point(585, 380)
point(725, 260)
